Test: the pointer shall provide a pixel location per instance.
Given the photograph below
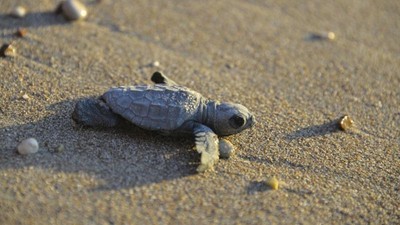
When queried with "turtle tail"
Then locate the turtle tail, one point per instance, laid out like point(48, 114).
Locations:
point(95, 113)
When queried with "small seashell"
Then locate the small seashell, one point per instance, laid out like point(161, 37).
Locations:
point(73, 10)
point(18, 12)
point(346, 122)
point(28, 146)
point(273, 183)
point(7, 50)
point(226, 149)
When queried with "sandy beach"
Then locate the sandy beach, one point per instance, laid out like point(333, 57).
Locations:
point(262, 54)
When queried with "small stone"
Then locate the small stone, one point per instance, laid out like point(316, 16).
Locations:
point(378, 104)
point(28, 146)
point(226, 149)
point(21, 32)
point(60, 148)
point(346, 122)
point(273, 183)
point(25, 97)
point(229, 65)
point(7, 50)
point(155, 64)
point(18, 12)
point(322, 36)
point(331, 35)
point(73, 10)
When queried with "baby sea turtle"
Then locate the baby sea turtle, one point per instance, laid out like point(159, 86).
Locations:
point(170, 109)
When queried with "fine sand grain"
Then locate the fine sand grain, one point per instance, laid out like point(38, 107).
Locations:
point(251, 52)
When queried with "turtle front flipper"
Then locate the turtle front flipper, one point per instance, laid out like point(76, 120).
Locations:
point(160, 78)
point(207, 145)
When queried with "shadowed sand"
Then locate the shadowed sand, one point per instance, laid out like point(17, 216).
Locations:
point(256, 53)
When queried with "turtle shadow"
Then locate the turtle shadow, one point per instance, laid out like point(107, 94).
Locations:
point(121, 157)
point(315, 130)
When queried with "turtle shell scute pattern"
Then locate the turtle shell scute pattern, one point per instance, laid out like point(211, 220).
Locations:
point(157, 107)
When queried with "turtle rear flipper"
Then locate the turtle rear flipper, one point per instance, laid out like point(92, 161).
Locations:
point(207, 145)
point(95, 113)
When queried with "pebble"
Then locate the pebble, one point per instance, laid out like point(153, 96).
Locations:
point(73, 10)
point(273, 183)
point(323, 36)
point(346, 122)
point(18, 12)
point(331, 36)
point(28, 146)
point(378, 104)
point(7, 50)
point(226, 149)
point(60, 148)
point(21, 32)
point(229, 65)
point(25, 97)
point(155, 64)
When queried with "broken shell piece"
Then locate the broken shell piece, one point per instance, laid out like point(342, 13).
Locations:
point(28, 146)
point(273, 183)
point(18, 12)
point(73, 10)
point(226, 149)
point(346, 123)
point(7, 50)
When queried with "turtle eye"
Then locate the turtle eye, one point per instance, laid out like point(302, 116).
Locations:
point(236, 121)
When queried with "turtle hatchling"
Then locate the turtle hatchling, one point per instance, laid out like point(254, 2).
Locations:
point(170, 109)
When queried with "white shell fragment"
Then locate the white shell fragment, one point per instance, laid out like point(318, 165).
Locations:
point(74, 10)
point(18, 12)
point(28, 146)
point(226, 149)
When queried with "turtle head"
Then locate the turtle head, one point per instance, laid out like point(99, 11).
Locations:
point(230, 118)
